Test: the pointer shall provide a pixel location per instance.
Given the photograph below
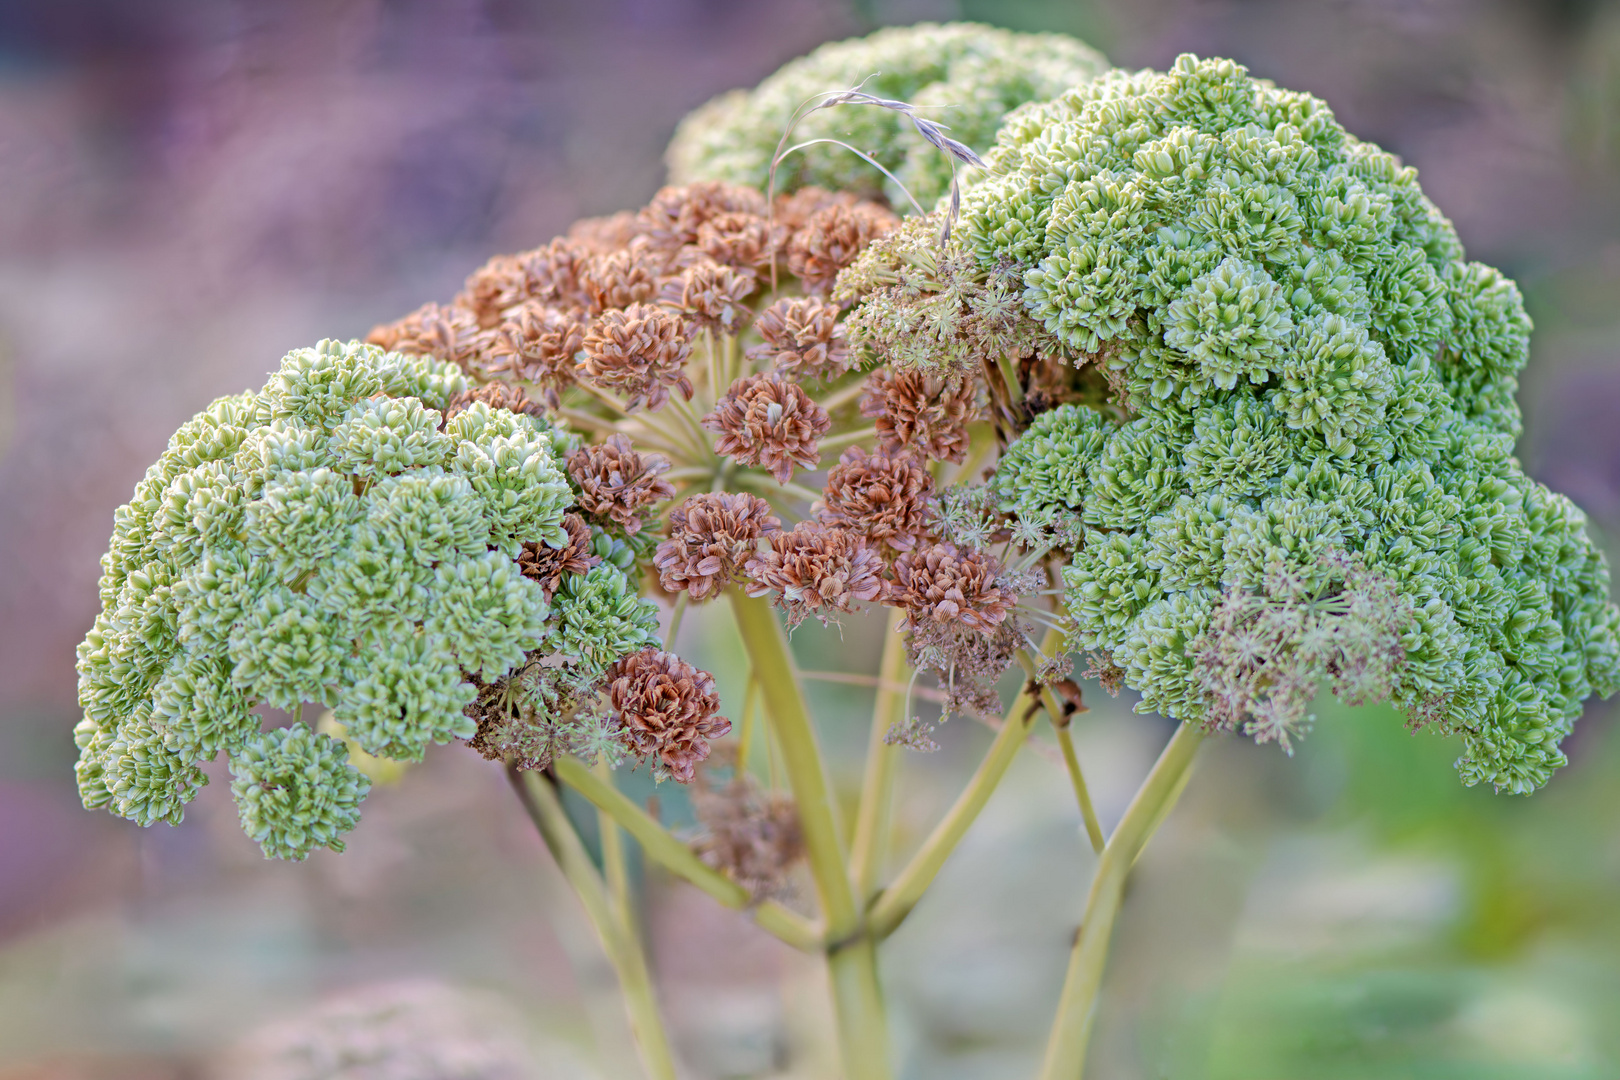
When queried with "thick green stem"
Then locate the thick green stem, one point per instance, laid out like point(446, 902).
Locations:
point(679, 859)
point(539, 797)
point(1071, 1030)
point(851, 953)
point(894, 903)
point(877, 788)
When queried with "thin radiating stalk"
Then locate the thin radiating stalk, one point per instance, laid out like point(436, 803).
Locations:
point(1071, 1029)
point(866, 850)
point(539, 798)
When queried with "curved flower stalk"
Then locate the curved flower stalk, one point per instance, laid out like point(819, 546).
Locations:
point(1202, 385)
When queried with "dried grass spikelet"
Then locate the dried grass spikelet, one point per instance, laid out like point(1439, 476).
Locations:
point(675, 215)
point(537, 343)
point(767, 421)
point(492, 288)
point(924, 412)
point(440, 330)
point(751, 834)
point(711, 537)
point(640, 352)
point(816, 570)
point(497, 395)
point(615, 481)
point(668, 709)
point(740, 239)
point(946, 584)
point(547, 565)
point(617, 279)
point(803, 338)
point(884, 497)
point(712, 293)
point(830, 240)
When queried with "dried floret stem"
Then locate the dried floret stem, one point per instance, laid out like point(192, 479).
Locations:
point(877, 785)
point(678, 858)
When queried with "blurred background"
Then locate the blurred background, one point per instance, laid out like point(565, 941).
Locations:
point(188, 188)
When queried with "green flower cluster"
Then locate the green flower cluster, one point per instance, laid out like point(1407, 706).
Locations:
point(962, 75)
point(330, 539)
point(1317, 479)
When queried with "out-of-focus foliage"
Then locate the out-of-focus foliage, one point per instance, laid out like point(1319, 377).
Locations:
point(965, 76)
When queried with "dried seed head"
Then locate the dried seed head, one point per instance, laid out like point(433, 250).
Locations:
point(547, 565)
point(640, 352)
point(766, 420)
point(884, 497)
point(674, 216)
point(538, 344)
point(492, 288)
point(946, 584)
point(713, 294)
point(923, 412)
point(830, 240)
point(617, 279)
point(497, 395)
point(607, 233)
point(447, 332)
point(615, 481)
point(794, 210)
point(668, 709)
point(803, 338)
point(551, 273)
point(740, 239)
point(816, 571)
point(711, 537)
point(752, 835)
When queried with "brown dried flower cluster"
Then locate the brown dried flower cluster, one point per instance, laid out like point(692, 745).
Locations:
point(676, 215)
point(751, 834)
point(668, 709)
point(739, 239)
point(711, 538)
point(884, 497)
point(923, 412)
point(448, 332)
point(766, 420)
point(497, 395)
point(803, 338)
point(816, 571)
point(617, 279)
point(831, 238)
point(641, 352)
point(492, 288)
point(547, 565)
point(538, 344)
point(712, 294)
point(615, 481)
point(946, 584)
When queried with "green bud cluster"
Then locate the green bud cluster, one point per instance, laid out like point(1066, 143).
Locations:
point(962, 75)
point(329, 539)
point(1318, 469)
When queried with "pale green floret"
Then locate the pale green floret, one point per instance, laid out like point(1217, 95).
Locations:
point(405, 690)
point(1046, 468)
point(383, 436)
point(1324, 423)
point(296, 791)
point(487, 612)
point(962, 75)
point(600, 618)
point(306, 544)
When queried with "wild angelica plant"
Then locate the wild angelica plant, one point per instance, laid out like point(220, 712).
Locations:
point(1202, 386)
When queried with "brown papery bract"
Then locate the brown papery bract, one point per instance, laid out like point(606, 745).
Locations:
point(640, 352)
point(615, 481)
point(946, 584)
point(815, 570)
point(547, 565)
point(926, 413)
point(668, 709)
point(885, 497)
point(803, 338)
point(711, 537)
point(767, 421)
